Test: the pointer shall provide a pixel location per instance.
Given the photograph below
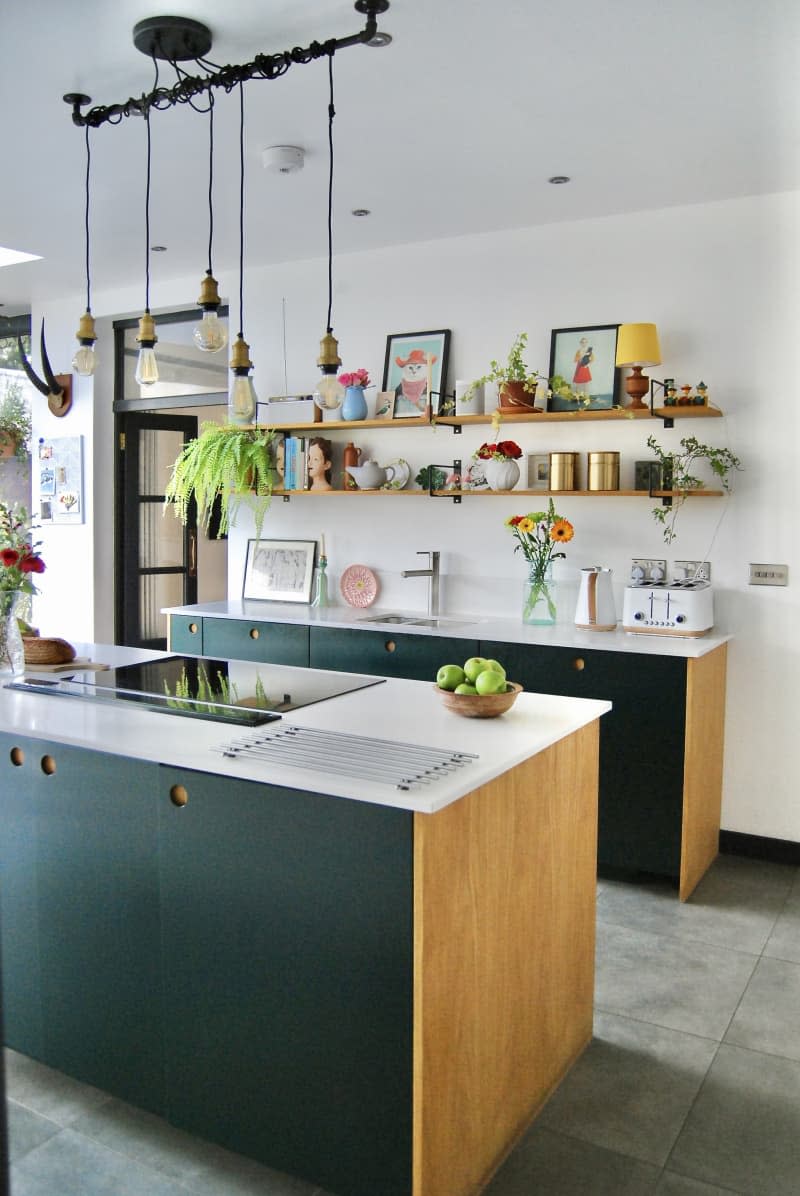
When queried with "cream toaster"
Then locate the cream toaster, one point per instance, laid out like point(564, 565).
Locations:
point(669, 608)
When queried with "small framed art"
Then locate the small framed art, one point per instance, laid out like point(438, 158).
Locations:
point(384, 404)
point(279, 570)
point(415, 369)
point(538, 471)
point(586, 359)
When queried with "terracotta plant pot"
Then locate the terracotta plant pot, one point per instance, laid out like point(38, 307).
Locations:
point(514, 397)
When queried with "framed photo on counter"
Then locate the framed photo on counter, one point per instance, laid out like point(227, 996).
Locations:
point(279, 570)
point(586, 359)
point(415, 368)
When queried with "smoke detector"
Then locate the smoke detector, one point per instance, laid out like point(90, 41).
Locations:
point(283, 159)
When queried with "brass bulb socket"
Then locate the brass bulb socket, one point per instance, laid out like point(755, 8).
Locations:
point(329, 359)
point(209, 293)
point(147, 330)
point(240, 355)
point(86, 333)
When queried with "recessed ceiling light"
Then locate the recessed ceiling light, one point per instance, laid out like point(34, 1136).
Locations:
point(559, 178)
point(361, 212)
point(10, 257)
point(158, 249)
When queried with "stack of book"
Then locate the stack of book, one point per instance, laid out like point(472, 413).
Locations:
point(295, 469)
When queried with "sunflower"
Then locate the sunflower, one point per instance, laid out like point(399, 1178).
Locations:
point(562, 530)
point(526, 524)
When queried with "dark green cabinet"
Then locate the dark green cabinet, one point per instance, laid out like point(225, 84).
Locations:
point(416, 657)
point(186, 634)
point(82, 987)
point(641, 743)
point(288, 970)
point(242, 639)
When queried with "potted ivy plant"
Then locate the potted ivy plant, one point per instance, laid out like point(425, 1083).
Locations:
point(15, 422)
point(227, 462)
point(677, 473)
point(518, 384)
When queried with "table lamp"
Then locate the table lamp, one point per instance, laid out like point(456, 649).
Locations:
point(637, 346)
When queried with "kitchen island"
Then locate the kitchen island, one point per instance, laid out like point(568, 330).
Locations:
point(371, 987)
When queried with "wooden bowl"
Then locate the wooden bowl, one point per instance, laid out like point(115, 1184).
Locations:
point(480, 705)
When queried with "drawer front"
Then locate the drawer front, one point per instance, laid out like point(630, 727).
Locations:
point(186, 634)
point(240, 639)
point(389, 654)
point(642, 743)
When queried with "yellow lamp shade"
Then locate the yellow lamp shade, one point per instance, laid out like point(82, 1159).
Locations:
point(637, 344)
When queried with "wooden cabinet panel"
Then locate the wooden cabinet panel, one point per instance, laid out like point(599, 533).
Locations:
point(240, 639)
point(641, 743)
point(288, 974)
point(416, 657)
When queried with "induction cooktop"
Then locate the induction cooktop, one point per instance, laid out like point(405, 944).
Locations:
point(228, 691)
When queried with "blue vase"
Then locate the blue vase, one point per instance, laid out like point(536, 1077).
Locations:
point(354, 405)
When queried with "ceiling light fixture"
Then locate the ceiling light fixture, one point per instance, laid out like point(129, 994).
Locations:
point(146, 373)
point(242, 396)
point(329, 392)
point(558, 179)
point(85, 361)
point(210, 335)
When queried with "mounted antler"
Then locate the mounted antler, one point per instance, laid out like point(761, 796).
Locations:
point(58, 387)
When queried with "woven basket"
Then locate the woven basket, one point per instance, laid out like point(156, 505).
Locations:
point(39, 650)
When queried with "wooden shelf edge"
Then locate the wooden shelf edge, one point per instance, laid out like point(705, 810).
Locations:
point(615, 413)
point(343, 425)
point(580, 493)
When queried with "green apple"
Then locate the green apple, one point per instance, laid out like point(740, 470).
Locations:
point(449, 676)
point(465, 688)
point(496, 666)
point(490, 682)
point(473, 666)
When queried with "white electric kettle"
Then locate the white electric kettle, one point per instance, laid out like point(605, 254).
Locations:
point(595, 610)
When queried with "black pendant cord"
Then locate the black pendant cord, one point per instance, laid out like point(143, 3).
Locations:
point(241, 211)
point(210, 271)
point(331, 114)
point(147, 222)
point(86, 223)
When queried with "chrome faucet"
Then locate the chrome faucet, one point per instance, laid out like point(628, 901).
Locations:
point(433, 573)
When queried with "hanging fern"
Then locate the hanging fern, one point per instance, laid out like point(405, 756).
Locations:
point(227, 461)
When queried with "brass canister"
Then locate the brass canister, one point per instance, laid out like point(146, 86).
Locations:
point(602, 472)
point(563, 471)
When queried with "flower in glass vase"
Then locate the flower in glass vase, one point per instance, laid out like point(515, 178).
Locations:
point(19, 559)
point(538, 535)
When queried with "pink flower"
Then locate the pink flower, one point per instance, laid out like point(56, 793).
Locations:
point(358, 378)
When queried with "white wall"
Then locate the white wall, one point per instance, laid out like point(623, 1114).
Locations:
point(720, 281)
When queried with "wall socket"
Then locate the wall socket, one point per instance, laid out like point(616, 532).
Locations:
point(653, 570)
point(695, 570)
point(769, 575)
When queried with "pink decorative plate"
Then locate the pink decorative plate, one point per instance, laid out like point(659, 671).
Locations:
point(359, 585)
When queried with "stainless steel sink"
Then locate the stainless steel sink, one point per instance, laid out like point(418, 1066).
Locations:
point(415, 620)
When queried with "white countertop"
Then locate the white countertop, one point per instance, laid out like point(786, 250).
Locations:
point(513, 631)
point(402, 711)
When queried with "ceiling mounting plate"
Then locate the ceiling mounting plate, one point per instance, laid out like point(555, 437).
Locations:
point(173, 39)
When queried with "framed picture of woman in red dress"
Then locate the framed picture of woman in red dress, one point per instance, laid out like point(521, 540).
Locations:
point(586, 359)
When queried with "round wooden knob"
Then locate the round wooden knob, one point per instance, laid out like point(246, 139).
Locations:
point(17, 756)
point(579, 664)
point(390, 645)
point(193, 629)
point(178, 795)
point(48, 765)
point(254, 633)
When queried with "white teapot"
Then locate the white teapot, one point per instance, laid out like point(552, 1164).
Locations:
point(370, 475)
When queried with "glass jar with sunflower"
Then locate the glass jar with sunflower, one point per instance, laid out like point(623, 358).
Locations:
point(538, 534)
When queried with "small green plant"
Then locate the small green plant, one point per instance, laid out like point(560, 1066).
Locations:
point(15, 419)
point(677, 473)
point(228, 462)
point(515, 370)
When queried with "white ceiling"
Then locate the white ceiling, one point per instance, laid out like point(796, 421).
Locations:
point(454, 128)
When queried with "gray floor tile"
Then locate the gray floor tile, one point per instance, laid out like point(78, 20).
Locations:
point(71, 1165)
point(632, 1088)
point(671, 1184)
point(744, 1129)
point(26, 1130)
point(229, 1174)
point(47, 1092)
point(768, 1018)
point(784, 942)
point(723, 910)
point(693, 987)
point(551, 1164)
